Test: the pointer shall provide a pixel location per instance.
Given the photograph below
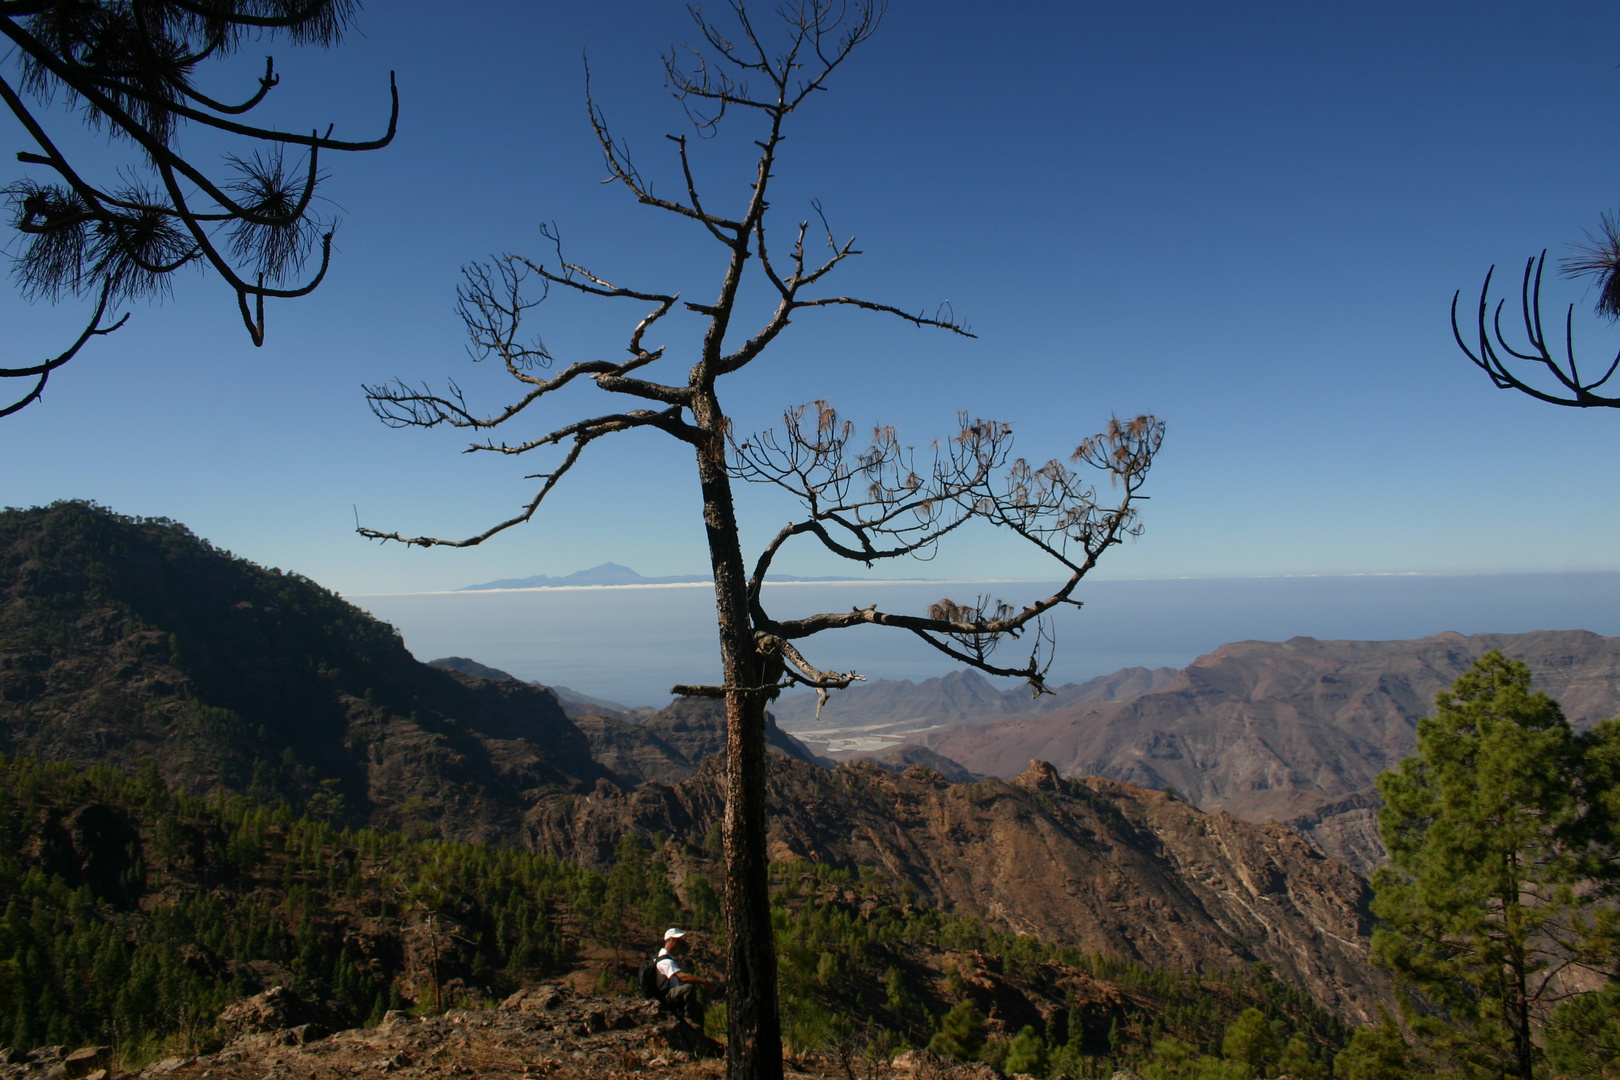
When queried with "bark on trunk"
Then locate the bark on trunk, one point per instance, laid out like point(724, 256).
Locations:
point(754, 1034)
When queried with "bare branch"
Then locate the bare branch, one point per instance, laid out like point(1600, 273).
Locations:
point(41, 372)
point(267, 82)
point(943, 318)
point(579, 435)
point(887, 506)
point(1492, 351)
point(616, 155)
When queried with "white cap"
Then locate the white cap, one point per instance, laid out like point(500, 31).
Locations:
point(672, 932)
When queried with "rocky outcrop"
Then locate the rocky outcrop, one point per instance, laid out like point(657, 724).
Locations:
point(632, 753)
point(1346, 829)
point(1101, 865)
point(548, 1031)
point(279, 1009)
point(697, 728)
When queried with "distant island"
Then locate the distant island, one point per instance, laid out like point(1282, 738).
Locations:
point(614, 574)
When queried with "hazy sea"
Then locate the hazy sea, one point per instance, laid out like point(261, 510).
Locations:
point(630, 644)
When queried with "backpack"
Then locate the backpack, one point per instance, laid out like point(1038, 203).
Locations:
point(647, 978)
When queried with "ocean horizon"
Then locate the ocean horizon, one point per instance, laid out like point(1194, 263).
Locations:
point(631, 643)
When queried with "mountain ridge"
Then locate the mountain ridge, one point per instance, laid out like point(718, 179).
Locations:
point(1287, 731)
point(127, 638)
point(885, 714)
point(123, 639)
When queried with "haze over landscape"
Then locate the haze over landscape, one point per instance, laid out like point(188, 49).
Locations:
point(579, 637)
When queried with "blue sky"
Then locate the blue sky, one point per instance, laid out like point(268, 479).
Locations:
point(1246, 218)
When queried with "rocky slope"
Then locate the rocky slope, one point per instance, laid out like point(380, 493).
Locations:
point(207, 903)
point(668, 746)
point(1293, 731)
point(123, 638)
point(901, 758)
point(1100, 865)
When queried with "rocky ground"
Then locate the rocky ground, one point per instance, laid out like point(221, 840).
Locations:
point(1104, 867)
point(550, 1031)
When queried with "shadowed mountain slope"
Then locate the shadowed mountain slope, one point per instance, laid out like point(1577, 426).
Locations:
point(668, 745)
point(572, 702)
point(467, 666)
point(124, 638)
point(1293, 731)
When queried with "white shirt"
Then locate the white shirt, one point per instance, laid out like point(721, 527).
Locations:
point(667, 969)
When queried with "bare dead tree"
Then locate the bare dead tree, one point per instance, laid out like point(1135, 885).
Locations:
point(883, 501)
point(1561, 381)
point(127, 67)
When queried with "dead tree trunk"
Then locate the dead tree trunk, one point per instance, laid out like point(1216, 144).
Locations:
point(863, 505)
point(754, 1033)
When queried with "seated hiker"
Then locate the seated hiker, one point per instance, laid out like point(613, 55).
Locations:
point(683, 993)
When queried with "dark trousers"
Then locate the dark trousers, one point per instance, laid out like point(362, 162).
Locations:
point(686, 1000)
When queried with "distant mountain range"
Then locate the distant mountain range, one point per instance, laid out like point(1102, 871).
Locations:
point(871, 717)
point(1294, 731)
point(614, 574)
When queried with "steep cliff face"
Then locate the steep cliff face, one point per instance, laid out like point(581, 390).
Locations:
point(1101, 865)
point(1294, 731)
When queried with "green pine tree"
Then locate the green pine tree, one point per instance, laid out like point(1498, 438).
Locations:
point(1374, 1053)
point(1480, 907)
point(1027, 1054)
point(960, 1034)
point(1300, 1061)
point(1583, 1039)
point(1252, 1043)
